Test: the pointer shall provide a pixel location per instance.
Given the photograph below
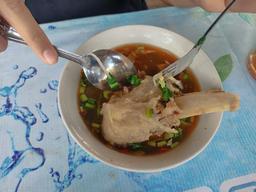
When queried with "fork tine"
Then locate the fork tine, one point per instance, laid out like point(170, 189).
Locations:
point(169, 68)
point(170, 71)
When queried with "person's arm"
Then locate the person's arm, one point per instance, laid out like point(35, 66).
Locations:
point(18, 16)
point(209, 5)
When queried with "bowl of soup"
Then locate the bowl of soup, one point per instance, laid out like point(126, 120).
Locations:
point(151, 49)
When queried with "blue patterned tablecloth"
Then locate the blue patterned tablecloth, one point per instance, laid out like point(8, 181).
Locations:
point(37, 154)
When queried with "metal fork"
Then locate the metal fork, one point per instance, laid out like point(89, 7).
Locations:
point(184, 62)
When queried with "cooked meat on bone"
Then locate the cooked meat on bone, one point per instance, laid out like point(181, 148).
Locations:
point(125, 120)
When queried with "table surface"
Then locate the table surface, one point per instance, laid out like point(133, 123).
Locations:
point(37, 154)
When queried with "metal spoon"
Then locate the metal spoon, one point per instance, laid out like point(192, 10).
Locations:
point(184, 62)
point(97, 65)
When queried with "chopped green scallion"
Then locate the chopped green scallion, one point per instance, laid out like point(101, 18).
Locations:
point(135, 146)
point(81, 90)
point(161, 82)
point(95, 125)
point(91, 101)
point(134, 80)
point(82, 83)
point(166, 94)
point(89, 105)
point(112, 82)
point(174, 144)
point(186, 76)
point(152, 143)
point(106, 94)
point(185, 120)
point(178, 134)
point(149, 112)
point(168, 136)
point(83, 98)
point(114, 86)
point(169, 143)
point(161, 143)
point(180, 131)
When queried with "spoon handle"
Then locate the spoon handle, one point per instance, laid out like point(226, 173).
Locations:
point(14, 36)
point(70, 56)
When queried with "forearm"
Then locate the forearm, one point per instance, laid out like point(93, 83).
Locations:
point(209, 5)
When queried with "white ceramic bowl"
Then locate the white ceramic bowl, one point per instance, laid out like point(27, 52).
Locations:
point(202, 68)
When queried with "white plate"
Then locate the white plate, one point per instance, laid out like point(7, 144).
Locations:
point(202, 67)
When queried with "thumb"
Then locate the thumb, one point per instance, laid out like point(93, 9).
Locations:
point(18, 16)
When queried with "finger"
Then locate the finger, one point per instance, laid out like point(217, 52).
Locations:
point(3, 41)
point(18, 16)
point(181, 3)
point(212, 5)
point(243, 5)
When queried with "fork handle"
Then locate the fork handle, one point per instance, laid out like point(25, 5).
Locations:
point(201, 41)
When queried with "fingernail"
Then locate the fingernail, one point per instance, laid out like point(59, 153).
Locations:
point(50, 56)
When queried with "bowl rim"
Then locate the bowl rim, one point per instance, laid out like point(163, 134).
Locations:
point(115, 165)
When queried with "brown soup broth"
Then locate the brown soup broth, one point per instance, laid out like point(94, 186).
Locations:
point(146, 58)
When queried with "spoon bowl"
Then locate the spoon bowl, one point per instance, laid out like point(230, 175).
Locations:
point(100, 63)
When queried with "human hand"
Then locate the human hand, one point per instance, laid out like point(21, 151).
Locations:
point(15, 13)
point(209, 5)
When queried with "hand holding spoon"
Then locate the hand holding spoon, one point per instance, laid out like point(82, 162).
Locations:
point(97, 66)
